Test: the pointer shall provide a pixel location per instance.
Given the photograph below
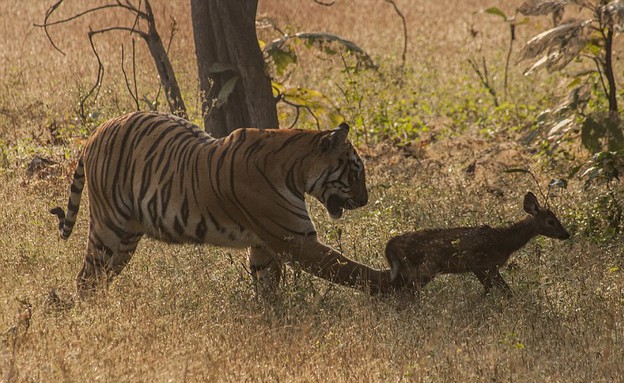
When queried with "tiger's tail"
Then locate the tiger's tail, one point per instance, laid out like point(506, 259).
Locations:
point(66, 222)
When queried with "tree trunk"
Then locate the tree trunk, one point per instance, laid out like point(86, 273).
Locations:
point(608, 68)
point(225, 35)
point(163, 65)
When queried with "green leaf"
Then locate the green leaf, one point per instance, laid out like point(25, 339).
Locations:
point(603, 156)
point(591, 133)
point(561, 127)
point(543, 116)
point(304, 97)
point(590, 171)
point(560, 183)
point(594, 48)
point(282, 58)
point(496, 11)
point(582, 73)
point(312, 101)
point(335, 117)
point(285, 45)
point(226, 90)
point(574, 170)
point(591, 174)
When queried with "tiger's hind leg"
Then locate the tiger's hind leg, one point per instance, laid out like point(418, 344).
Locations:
point(265, 268)
point(107, 255)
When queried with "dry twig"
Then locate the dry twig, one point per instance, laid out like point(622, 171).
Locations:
point(151, 38)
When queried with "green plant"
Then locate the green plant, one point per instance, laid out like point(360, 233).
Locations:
point(590, 39)
point(606, 167)
point(282, 54)
point(482, 71)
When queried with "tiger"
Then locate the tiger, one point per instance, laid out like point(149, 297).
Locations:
point(159, 175)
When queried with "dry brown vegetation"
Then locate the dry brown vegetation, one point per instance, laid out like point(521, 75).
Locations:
point(188, 313)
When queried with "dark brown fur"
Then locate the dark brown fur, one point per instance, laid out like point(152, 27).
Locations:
point(480, 250)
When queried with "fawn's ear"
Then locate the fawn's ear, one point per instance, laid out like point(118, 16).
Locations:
point(531, 205)
point(336, 138)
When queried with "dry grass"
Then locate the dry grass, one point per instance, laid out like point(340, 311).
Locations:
point(188, 313)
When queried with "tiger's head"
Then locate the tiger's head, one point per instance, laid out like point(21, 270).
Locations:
point(341, 181)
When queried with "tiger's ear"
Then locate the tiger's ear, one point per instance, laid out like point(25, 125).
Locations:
point(336, 138)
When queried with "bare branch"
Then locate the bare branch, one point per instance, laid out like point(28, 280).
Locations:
point(98, 82)
point(136, 86)
point(296, 118)
point(134, 94)
point(137, 18)
point(484, 77)
point(55, 6)
point(268, 22)
point(151, 38)
point(130, 7)
point(398, 12)
point(149, 15)
point(173, 28)
point(599, 65)
point(298, 107)
point(45, 24)
point(78, 15)
point(144, 35)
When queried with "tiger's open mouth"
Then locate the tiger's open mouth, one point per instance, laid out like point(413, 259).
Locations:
point(335, 206)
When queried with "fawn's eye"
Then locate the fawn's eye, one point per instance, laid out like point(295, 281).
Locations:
point(551, 222)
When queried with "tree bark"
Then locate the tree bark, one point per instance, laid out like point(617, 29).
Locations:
point(163, 65)
point(225, 34)
point(608, 68)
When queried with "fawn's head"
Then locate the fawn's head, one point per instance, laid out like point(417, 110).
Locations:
point(546, 222)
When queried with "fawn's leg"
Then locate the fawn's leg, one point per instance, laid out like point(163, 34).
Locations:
point(265, 268)
point(492, 278)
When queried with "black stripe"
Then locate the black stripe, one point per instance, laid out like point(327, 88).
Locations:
point(75, 188)
point(275, 190)
point(292, 185)
point(146, 179)
point(152, 208)
point(214, 222)
point(179, 229)
point(200, 229)
point(185, 209)
point(71, 208)
point(296, 136)
point(165, 195)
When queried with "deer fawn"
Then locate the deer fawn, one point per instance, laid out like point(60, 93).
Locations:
point(480, 250)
